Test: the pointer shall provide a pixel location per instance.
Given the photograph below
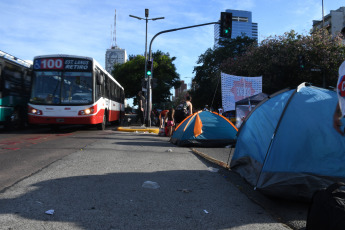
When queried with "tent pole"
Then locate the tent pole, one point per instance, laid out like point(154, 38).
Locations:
point(274, 134)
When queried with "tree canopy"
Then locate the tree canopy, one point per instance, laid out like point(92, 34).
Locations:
point(206, 87)
point(276, 60)
point(131, 73)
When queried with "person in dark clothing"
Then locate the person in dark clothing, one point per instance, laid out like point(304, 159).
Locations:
point(141, 107)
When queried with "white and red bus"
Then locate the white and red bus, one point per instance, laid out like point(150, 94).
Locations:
point(70, 89)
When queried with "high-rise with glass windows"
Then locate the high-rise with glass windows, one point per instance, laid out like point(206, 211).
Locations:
point(241, 25)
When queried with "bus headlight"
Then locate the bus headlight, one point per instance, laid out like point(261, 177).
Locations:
point(32, 110)
point(87, 111)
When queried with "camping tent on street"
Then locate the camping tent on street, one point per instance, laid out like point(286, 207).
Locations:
point(287, 146)
point(205, 129)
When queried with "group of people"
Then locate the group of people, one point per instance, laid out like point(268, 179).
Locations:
point(168, 119)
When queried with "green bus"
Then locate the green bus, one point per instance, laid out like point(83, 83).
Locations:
point(15, 84)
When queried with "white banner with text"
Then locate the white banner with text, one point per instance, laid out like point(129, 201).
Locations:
point(235, 88)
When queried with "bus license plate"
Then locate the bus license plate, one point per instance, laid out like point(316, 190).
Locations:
point(60, 120)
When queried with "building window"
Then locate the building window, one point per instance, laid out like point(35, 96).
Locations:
point(239, 19)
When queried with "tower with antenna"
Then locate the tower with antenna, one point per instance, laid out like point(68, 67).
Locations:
point(113, 44)
point(114, 55)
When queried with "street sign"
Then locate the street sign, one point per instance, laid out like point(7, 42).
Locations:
point(315, 70)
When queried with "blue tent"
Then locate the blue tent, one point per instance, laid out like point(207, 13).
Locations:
point(206, 129)
point(287, 146)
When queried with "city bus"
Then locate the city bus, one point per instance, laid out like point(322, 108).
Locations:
point(73, 90)
point(15, 82)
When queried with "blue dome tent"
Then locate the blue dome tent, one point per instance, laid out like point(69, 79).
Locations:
point(287, 146)
point(205, 129)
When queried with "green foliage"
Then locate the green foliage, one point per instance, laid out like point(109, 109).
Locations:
point(276, 59)
point(129, 75)
point(206, 86)
point(164, 71)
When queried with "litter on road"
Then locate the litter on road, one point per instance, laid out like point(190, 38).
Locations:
point(50, 212)
point(150, 185)
point(211, 169)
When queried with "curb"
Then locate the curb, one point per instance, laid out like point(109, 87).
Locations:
point(211, 159)
point(150, 130)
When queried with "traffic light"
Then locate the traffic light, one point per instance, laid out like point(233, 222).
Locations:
point(225, 24)
point(149, 68)
point(301, 62)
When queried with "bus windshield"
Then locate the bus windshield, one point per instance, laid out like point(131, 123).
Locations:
point(53, 87)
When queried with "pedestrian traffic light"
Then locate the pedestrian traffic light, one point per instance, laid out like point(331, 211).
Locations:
point(225, 24)
point(149, 68)
point(301, 62)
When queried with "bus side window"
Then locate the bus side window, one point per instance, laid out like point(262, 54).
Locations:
point(100, 78)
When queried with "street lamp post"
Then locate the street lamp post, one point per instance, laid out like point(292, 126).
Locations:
point(323, 37)
point(148, 87)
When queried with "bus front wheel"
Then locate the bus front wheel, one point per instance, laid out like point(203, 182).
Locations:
point(101, 126)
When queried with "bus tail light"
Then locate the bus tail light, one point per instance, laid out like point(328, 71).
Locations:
point(88, 111)
point(32, 110)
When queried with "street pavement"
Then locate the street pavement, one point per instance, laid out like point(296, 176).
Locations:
point(110, 184)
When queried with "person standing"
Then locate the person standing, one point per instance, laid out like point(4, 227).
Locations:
point(183, 110)
point(162, 118)
point(169, 118)
point(141, 100)
point(189, 105)
point(340, 108)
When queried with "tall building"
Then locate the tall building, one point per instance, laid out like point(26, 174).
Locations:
point(334, 22)
point(179, 91)
point(114, 55)
point(241, 24)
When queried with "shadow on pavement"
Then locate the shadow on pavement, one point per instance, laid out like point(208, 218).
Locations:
point(185, 200)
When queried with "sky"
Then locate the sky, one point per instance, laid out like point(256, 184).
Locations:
point(85, 27)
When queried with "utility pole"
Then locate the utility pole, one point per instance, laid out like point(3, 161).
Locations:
point(148, 95)
point(149, 89)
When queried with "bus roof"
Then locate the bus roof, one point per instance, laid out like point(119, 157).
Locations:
point(14, 59)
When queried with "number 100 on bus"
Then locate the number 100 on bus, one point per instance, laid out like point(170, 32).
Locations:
point(49, 63)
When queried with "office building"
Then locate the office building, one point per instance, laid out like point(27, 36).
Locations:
point(180, 91)
point(334, 22)
point(115, 55)
point(241, 25)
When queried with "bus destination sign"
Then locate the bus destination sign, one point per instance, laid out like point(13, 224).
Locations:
point(72, 64)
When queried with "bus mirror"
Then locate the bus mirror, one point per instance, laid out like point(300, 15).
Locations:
point(100, 79)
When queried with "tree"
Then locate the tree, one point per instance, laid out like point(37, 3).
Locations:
point(206, 87)
point(276, 59)
point(130, 74)
point(165, 72)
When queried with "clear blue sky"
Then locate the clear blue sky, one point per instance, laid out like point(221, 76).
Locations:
point(83, 27)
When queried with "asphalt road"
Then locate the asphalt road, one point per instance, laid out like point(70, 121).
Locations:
point(97, 183)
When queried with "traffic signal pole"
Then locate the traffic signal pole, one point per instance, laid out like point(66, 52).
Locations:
point(149, 88)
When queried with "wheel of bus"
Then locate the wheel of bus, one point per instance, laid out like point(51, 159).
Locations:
point(15, 120)
point(101, 126)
